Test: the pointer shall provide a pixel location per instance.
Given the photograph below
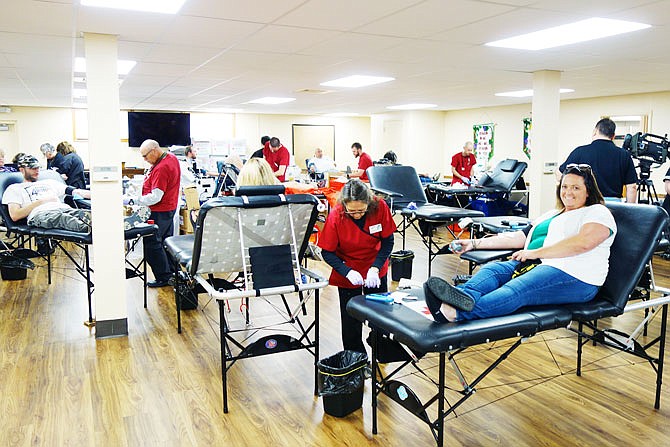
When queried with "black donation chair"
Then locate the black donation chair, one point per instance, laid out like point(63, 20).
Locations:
point(631, 252)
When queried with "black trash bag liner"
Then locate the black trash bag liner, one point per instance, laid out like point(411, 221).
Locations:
point(342, 373)
point(9, 260)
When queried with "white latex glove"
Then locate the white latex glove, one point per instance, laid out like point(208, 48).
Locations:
point(355, 278)
point(465, 180)
point(372, 281)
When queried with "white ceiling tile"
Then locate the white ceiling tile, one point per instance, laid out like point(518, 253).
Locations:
point(284, 39)
point(36, 17)
point(259, 11)
point(353, 44)
point(205, 32)
point(342, 15)
point(434, 16)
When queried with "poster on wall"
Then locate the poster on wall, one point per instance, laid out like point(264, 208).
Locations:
point(527, 127)
point(483, 139)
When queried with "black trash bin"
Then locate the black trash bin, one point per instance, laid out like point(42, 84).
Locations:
point(13, 266)
point(341, 379)
point(401, 264)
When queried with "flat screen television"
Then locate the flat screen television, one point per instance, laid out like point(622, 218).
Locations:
point(168, 128)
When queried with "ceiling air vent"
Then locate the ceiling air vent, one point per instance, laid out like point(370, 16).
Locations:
point(313, 91)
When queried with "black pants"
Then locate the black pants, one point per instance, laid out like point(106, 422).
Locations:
point(154, 253)
point(352, 329)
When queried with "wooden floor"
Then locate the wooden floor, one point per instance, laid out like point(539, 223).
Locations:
point(60, 386)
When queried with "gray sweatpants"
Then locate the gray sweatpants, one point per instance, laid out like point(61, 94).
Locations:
point(67, 219)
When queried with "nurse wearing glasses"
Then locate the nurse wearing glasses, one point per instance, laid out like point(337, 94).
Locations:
point(356, 242)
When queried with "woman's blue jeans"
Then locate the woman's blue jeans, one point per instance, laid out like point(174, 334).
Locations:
point(496, 293)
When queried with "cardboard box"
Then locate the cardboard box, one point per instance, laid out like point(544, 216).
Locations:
point(192, 198)
point(185, 226)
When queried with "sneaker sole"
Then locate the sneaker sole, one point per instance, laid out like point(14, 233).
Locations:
point(449, 294)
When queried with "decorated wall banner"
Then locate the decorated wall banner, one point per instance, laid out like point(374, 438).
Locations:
point(527, 127)
point(483, 140)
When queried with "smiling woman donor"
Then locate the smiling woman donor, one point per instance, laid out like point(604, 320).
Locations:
point(563, 258)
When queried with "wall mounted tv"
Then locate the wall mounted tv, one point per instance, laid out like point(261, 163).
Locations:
point(167, 128)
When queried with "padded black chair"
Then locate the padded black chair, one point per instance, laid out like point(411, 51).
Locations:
point(259, 242)
point(227, 178)
point(496, 185)
point(403, 188)
point(631, 251)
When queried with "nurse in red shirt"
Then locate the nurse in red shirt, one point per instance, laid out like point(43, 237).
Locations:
point(277, 156)
point(364, 162)
point(356, 242)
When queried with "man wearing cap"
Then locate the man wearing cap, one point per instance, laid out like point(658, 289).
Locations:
point(277, 156)
point(160, 192)
point(41, 202)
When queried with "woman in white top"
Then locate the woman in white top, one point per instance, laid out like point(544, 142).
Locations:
point(563, 258)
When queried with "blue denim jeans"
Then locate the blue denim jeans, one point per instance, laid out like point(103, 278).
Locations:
point(496, 293)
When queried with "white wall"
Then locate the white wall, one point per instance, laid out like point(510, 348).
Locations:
point(427, 139)
point(37, 125)
point(577, 119)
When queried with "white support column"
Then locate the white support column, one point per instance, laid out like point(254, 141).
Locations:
point(107, 211)
point(544, 140)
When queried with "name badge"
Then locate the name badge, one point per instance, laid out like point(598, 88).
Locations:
point(375, 228)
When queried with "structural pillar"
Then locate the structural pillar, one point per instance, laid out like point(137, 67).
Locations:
point(544, 141)
point(105, 168)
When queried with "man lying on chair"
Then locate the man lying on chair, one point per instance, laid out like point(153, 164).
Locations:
point(563, 258)
point(41, 202)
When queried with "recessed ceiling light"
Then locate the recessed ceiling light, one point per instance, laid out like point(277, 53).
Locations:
point(582, 31)
point(122, 67)
point(271, 100)
point(341, 114)
point(356, 81)
point(528, 93)
point(160, 6)
point(416, 106)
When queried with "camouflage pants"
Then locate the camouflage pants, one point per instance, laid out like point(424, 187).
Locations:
point(73, 219)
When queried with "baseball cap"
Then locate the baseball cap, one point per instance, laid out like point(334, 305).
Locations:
point(47, 148)
point(28, 161)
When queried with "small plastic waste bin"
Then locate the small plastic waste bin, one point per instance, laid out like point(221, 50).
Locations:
point(341, 379)
point(401, 264)
point(13, 266)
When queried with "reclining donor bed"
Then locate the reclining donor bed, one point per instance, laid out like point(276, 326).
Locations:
point(639, 230)
point(250, 248)
point(23, 233)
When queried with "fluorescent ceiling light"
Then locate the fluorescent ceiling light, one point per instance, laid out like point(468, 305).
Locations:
point(340, 114)
point(160, 6)
point(527, 93)
point(271, 100)
point(122, 67)
point(416, 106)
point(582, 31)
point(356, 81)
